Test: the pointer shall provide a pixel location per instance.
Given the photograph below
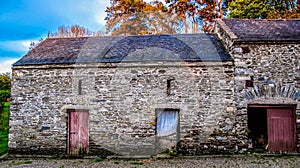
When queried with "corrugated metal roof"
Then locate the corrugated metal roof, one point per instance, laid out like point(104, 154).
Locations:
point(188, 47)
point(265, 30)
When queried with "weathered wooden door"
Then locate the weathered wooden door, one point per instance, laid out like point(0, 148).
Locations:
point(78, 132)
point(281, 130)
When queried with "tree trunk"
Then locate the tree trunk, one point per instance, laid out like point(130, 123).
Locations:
point(186, 26)
point(221, 10)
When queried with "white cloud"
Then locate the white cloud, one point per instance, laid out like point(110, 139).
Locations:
point(6, 65)
point(20, 46)
point(100, 13)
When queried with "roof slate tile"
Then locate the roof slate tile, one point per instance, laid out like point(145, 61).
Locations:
point(265, 30)
point(187, 47)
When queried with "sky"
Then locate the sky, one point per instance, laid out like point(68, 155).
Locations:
point(24, 21)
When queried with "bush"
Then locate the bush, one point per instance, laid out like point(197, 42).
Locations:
point(4, 119)
point(4, 96)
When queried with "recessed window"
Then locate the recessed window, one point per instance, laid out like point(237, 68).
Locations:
point(245, 49)
point(249, 83)
point(79, 87)
point(169, 86)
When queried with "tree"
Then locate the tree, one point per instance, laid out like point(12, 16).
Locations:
point(5, 82)
point(119, 12)
point(136, 17)
point(181, 9)
point(34, 44)
point(248, 9)
point(160, 21)
point(73, 31)
point(284, 9)
point(5, 86)
point(270, 9)
point(209, 11)
point(225, 7)
point(195, 12)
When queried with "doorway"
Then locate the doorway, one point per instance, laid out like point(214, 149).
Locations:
point(78, 132)
point(272, 127)
point(167, 129)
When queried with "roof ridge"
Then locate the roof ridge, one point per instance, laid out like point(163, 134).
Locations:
point(120, 36)
point(59, 38)
point(227, 29)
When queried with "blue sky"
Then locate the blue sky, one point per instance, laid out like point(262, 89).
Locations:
point(23, 21)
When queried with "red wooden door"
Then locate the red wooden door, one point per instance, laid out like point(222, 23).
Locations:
point(78, 131)
point(281, 130)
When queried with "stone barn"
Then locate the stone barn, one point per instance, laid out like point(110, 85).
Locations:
point(229, 92)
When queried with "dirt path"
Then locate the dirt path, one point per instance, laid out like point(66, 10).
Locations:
point(230, 161)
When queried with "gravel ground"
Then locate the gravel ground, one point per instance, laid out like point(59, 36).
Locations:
point(229, 161)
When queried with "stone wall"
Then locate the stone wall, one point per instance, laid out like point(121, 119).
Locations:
point(122, 99)
point(272, 71)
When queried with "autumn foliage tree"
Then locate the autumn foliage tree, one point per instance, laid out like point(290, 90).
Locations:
point(208, 12)
point(182, 8)
point(146, 18)
point(73, 31)
point(160, 20)
point(119, 14)
point(136, 17)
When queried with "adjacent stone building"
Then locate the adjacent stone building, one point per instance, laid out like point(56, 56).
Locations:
point(266, 57)
point(229, 92)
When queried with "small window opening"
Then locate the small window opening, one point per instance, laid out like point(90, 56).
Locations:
point(79, 87)
point(249, 83)
point(169, 86)
point(246, 50)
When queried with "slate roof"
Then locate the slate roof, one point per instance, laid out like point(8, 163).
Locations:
point(188, 47)
point(263, 30)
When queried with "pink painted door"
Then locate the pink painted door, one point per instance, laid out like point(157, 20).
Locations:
point(281, 130)
point(78, 132)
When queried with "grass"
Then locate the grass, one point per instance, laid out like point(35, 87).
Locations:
point(117, 162)
point(24, 162)
point(4, 119)
point(136, 163)
point(98, 159)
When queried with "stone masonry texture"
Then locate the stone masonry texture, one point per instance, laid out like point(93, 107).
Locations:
point(273, 67)
point(121, 103)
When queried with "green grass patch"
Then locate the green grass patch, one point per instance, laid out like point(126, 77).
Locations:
point(117, 162)
point(98, 159)
point(4, 120)
point(24, 162)
point(172, 152)
point(259, 151)
point(136, 163)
